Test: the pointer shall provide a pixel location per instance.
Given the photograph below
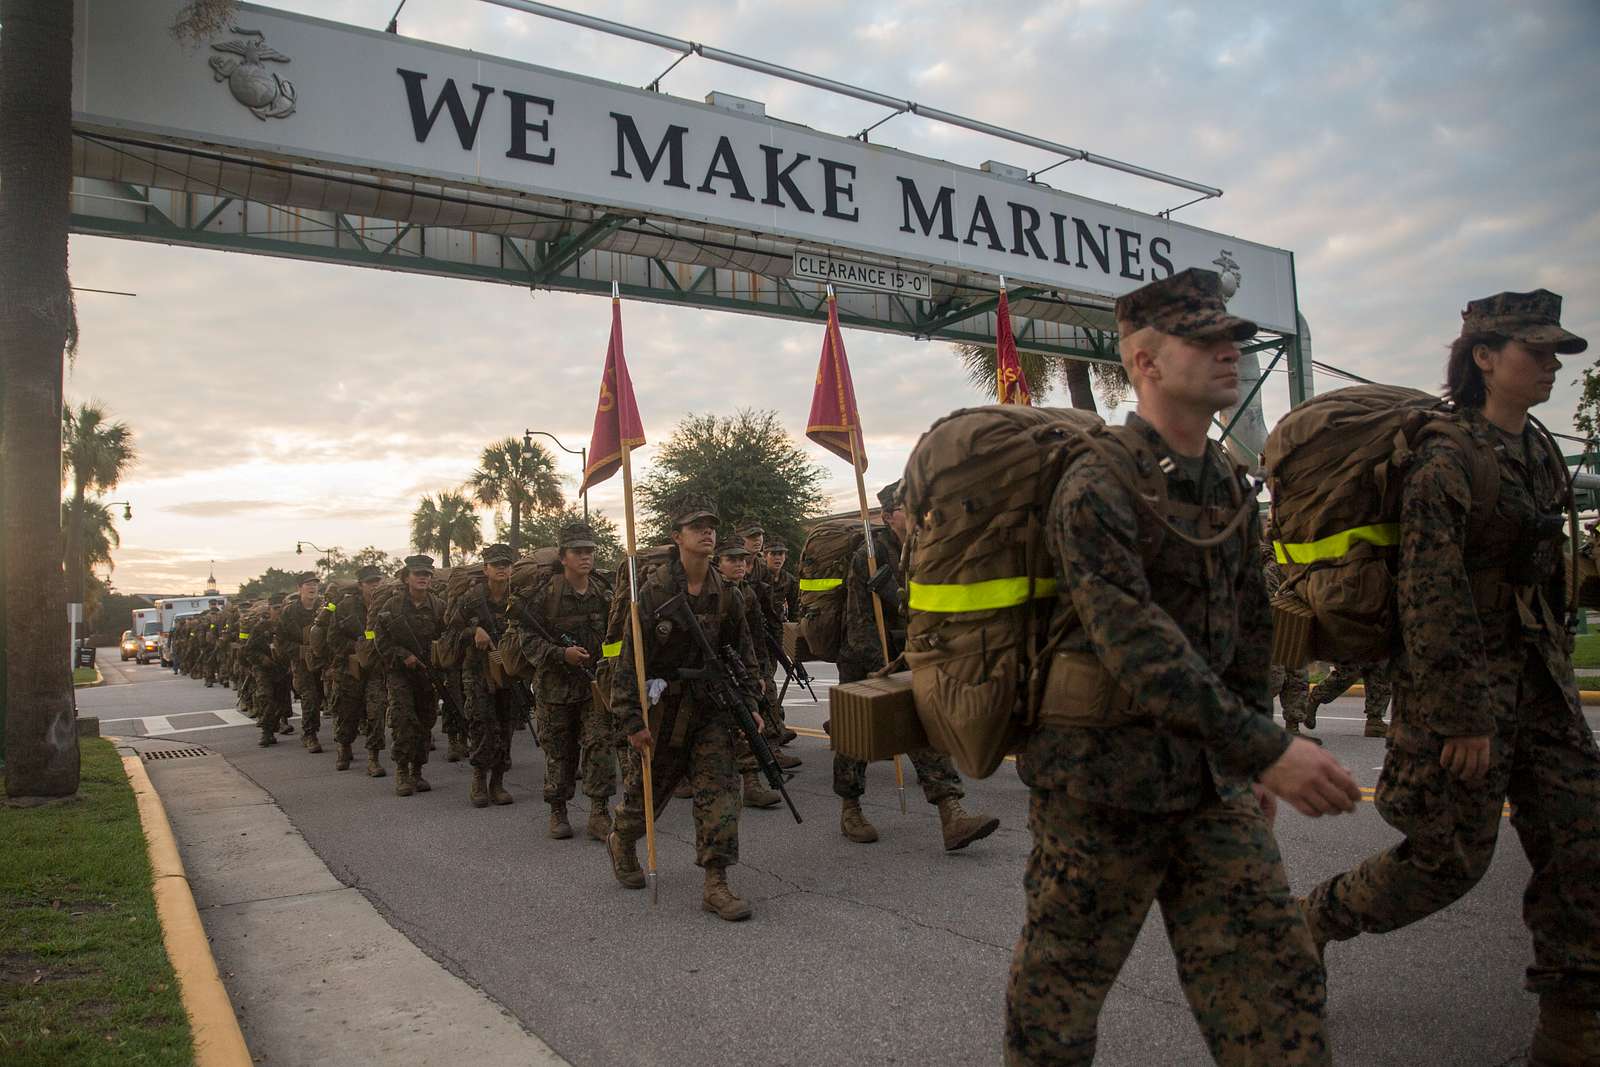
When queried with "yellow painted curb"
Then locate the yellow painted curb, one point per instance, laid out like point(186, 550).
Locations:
point(1586, 697)
point(218, 1041)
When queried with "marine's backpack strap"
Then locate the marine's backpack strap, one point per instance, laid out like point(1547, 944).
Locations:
point(1483, 470)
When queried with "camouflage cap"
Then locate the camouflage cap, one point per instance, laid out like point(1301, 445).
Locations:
point(750, 528)
point(1533, 318)
point(419, 563)
point(306, 576)
point(732, 548)
point(576, 535)
point(369, 573)
point(889, 496)
point(1188, 304)
point(692, 508)
point(499, 553)
point(777, 545)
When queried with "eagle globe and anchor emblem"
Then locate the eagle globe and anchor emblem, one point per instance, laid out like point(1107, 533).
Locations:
point(252, 84)
point(1232, 274)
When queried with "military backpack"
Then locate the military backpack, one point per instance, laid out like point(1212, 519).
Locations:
point(982, 590)
point(824, 566)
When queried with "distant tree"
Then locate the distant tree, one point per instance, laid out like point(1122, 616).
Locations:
point(112, 615)
point(335, 564)
point(272, 583)
point(746, 462)
point(95, 452)
point(543, 529)
point(438, 523)
point(1082, 378)
point(1586, 420)
point(98, 534)
point(520, 476)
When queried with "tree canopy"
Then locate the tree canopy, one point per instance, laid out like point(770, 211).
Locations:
point(543, 529)
point(520, 475)
point(335, 564)
point(273, 583)
point(746, 463)
point(444, 522)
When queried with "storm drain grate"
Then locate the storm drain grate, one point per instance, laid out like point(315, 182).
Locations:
point(175, 753)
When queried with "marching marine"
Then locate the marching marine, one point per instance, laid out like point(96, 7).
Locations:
point(405, 629)
point(481, 614)
point(298, 615)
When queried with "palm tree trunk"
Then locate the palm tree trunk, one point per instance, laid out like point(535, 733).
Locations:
point(1079, 385)
point(516, 525)
point(35, 174)
point(444, 549)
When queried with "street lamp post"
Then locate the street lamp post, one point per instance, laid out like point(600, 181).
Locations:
point(299, 548)
point(582, 453)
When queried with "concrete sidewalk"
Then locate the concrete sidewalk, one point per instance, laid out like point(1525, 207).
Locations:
point(315, 974)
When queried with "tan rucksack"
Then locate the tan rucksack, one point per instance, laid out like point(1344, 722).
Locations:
point(982, 587)
point(319, 656)
point(824, 565)
point(1335, 467)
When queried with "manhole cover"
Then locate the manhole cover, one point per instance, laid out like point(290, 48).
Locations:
point(175, 753)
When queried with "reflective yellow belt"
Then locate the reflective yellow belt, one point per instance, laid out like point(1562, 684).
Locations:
point(979, 596)
point(331, 607)
point(819, 585)
point(244, 637)
point(611, 651)
point(1334, 546)
point(371, 635)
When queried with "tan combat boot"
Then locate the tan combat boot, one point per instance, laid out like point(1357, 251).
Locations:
point(477, 793)
point(267, 738)
point(854, 825)
point(286, 727)
point(756, 795)
point(961, 829)
point(374, 765)
point(599, 821)
point(419, 783)
point(458, 749)
point(624, 862)
point(402, 780)
point(497, 789)
point(784, 760)
point(1376, 728)
point(721, 900)
point(342, 757)
point(310, 743)
point(560, 828)
point(1568, 1035)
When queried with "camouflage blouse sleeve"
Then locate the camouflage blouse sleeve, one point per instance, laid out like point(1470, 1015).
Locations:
point(1438, 623)
point(1252, 657)
point(1093, 532)
point(736, 634)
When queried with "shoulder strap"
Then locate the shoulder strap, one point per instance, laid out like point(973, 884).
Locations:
point(1483, 472)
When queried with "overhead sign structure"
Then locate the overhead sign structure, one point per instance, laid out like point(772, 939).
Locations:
point(290, 87)
point(819, 267)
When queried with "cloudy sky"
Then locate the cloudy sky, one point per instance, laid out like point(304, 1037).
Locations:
point(1411, 155)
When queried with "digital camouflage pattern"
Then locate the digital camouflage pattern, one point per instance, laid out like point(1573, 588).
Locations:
point(1486, 652)
point(692, 739)
point(1533, 318)
point(1188, 304)
point(861, 653)
point(490, 721)
point(574, 733)
point(1245, 957)
point(1158, 808)
point(1374, 678)
point(1290, 686)
point(403, 628)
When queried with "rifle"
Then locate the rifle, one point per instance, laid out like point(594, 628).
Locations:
point(728, 685)
point(521, 695)
point(796, 672)
point(565, 640)
point(441, 692)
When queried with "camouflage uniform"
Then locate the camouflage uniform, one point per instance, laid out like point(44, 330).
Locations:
point(405, 628)
point(1153, 804)
point(307, 682)
point(347, 692)
point(1288, 685)
point(692, 738)
point(861, 653)
point(573, 730)
point(1486, 652)
point(269, 688)
point(1377, 685)
point(757, 590)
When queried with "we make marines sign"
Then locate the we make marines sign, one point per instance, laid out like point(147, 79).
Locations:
point(346, 96)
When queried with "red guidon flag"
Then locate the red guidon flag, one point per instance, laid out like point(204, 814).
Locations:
point(1011, 385)
point(616, 419)
point(834, 419)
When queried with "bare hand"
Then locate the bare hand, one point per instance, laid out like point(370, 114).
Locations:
point(481, 638)
point(575, 656)
point(1268, 802)
point(1311, 780)
point(412, 662)
point(1466, 757)
point(641, 741)
point(760, 723)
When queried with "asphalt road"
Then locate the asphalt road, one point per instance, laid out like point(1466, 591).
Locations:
point(888, 953)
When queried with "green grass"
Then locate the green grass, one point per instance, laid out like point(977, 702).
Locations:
point(85, 676)
point(84, 979)
point(1586, 654)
